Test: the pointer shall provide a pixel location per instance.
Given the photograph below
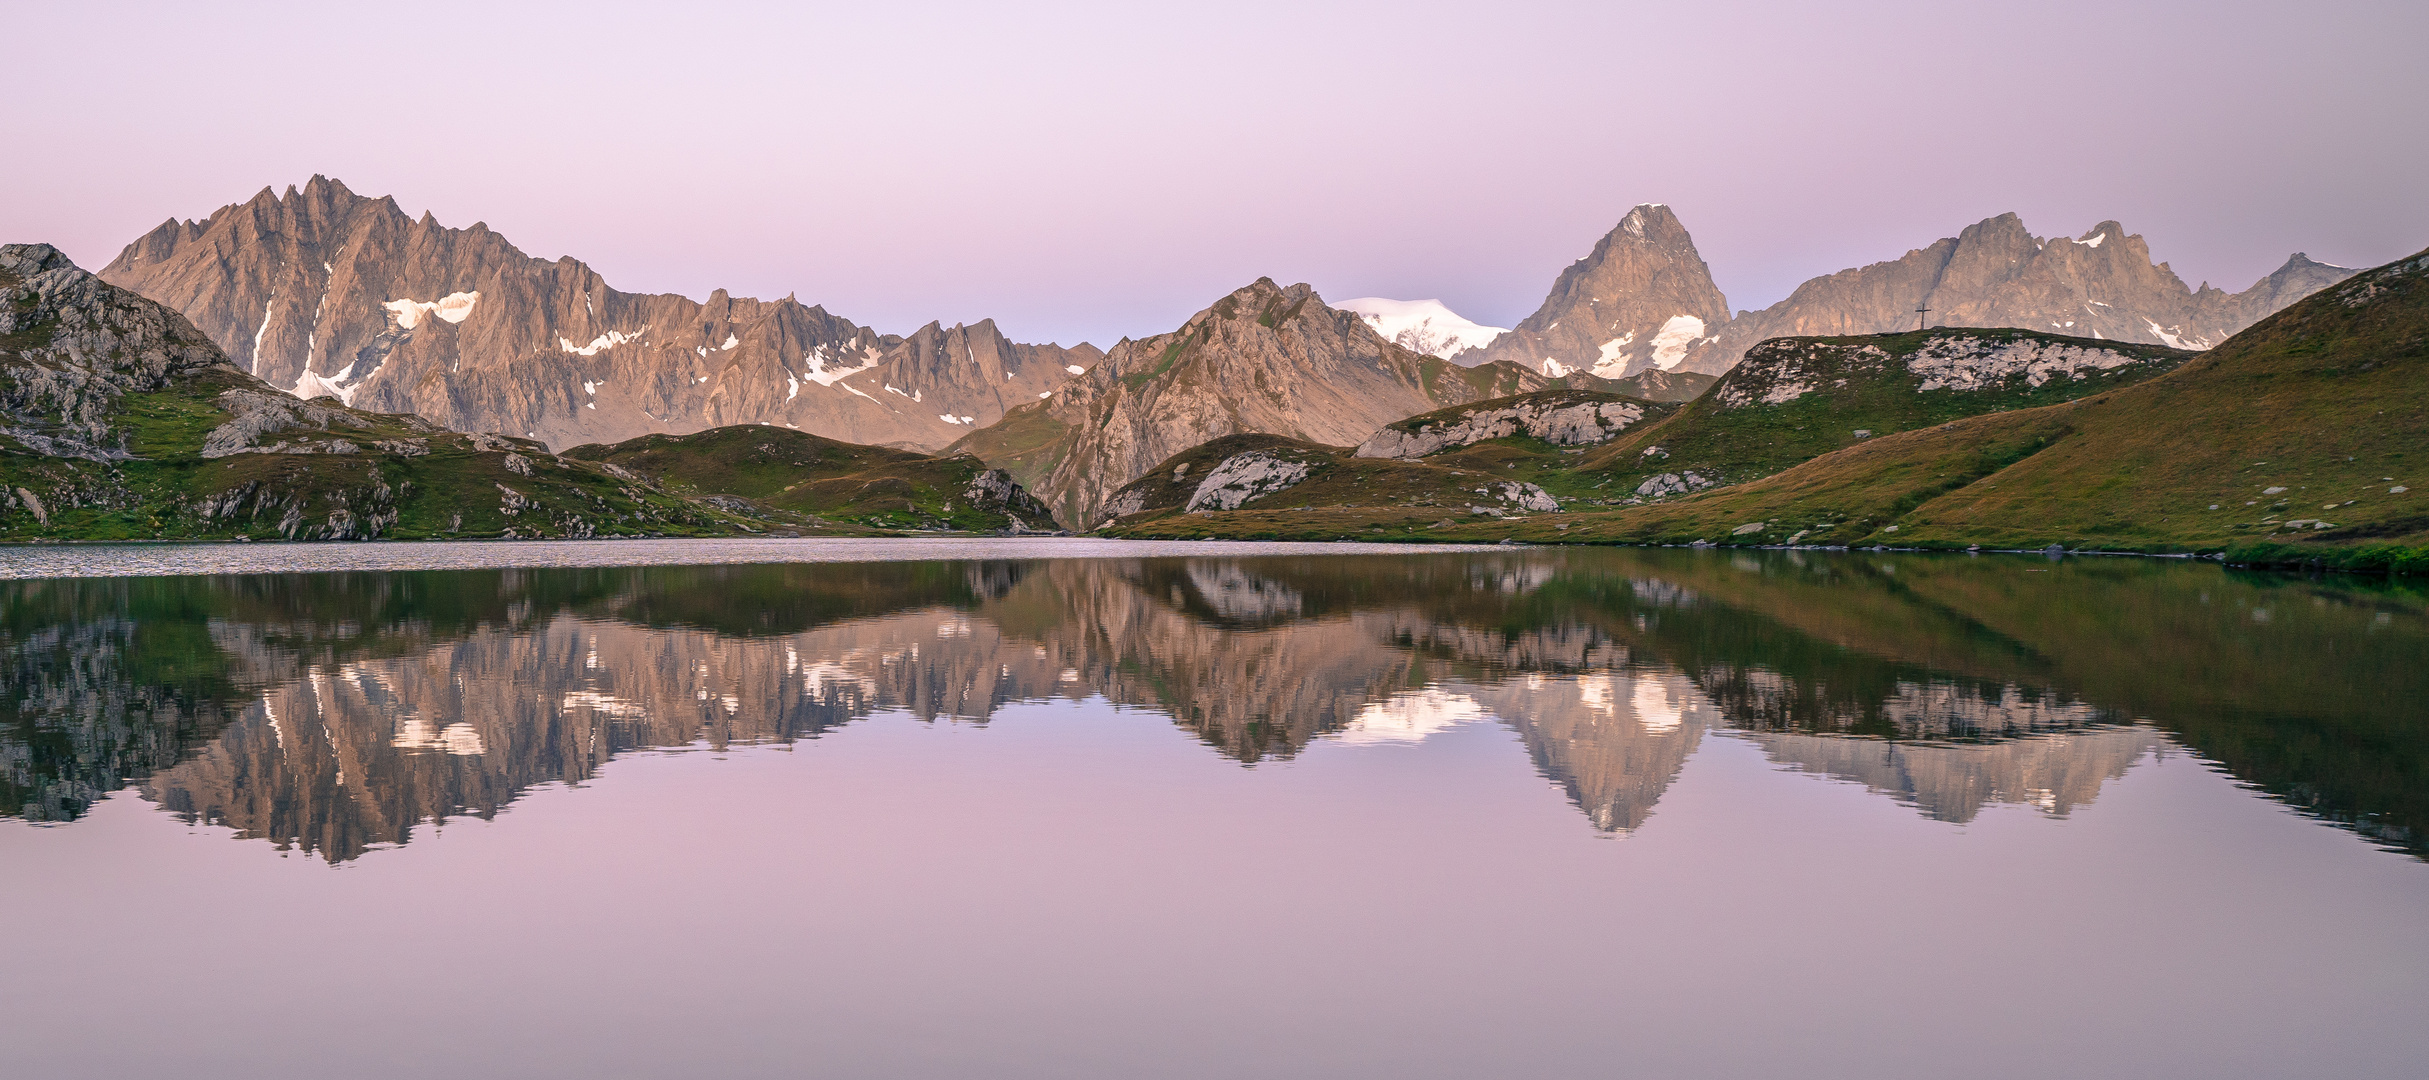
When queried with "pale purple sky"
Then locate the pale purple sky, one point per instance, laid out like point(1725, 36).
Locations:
point(1088, 171)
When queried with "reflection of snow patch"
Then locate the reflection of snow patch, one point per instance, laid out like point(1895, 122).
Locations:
point(1409, 717)
point(1653, 708)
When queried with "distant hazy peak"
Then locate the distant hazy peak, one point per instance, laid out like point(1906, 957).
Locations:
point(1425, 326)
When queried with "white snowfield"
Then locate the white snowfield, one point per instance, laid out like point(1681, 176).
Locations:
point(452, 307)
point(1426, 326)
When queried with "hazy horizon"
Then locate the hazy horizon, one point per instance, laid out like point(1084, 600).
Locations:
point(1085, 174)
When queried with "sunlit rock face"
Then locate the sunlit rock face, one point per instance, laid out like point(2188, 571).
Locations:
point(1641, 300)
point(325, 293)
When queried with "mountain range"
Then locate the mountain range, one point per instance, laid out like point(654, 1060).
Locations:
point(120, 421)
point(325, 293)
point(1643, 298)
point(2295, 441)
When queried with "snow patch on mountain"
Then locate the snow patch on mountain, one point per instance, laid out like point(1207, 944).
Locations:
point(452, 307)
point(1426, 326)
point(1671, 342)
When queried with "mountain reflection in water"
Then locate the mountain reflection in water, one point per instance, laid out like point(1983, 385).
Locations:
point(336, 712)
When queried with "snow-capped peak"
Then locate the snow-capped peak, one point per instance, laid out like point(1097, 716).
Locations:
point(1424, 326)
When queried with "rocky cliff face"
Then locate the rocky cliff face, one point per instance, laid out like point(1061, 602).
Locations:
point(322, 292)
point(2102, 284)
point(1642, 299)
point(1264, 359)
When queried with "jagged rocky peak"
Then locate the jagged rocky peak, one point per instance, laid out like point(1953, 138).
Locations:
point(1641, 300)
point(1996, 273)
point(323, 292)
point(1426, 326)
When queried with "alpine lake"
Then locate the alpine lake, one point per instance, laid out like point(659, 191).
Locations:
point(1076, 808)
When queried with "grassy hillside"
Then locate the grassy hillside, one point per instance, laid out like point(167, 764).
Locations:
point(798, 477)
point(2298, 440)
point(2295, 442)
point(1794, 399)
point(1379, 489)
point(1651, 385)
point(1028, 443)
point(444, 486)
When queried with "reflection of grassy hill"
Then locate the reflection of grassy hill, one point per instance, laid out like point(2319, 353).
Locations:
point(786, 470)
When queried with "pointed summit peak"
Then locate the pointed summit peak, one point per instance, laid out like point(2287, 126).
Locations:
point(1642, 298)
point(1653, 215)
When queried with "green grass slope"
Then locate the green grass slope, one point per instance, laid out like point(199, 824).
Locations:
point(2298, 441)
point(815, 482)
point(1350, 493)
point(1794, 399)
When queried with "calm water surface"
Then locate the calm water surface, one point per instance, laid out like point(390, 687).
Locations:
point(1078, 809)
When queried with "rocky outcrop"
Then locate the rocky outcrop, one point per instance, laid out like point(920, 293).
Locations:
point(1560, 417)
point(1264, 359)
point(1785, 369)
point(1242, 478)
point(1641, 300)
point(71, 347)
point(994, 491)
point(325, 293)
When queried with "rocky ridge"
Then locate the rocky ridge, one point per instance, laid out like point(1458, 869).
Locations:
point(119, 420)
point(325, 293)
point(1643, 300)
point(1264, 359)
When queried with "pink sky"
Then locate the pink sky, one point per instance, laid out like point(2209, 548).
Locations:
point(1086, 172)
